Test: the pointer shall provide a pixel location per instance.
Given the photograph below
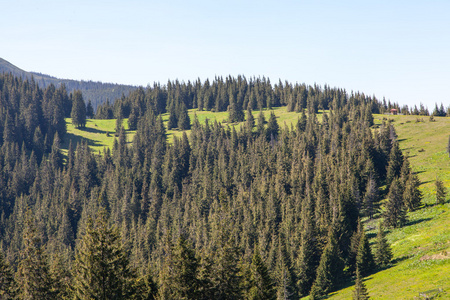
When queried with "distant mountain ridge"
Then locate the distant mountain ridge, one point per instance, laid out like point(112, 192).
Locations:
point(97, 92)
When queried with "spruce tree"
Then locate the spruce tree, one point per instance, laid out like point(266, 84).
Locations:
point(383, 253)
point(78, 114)
point(7, 283)
point(272, 127)
point(360, 291)
point(249, 121)
point(180, 278)
point(364, 258)
point(395, 163)
point(89, 110)
point(441, 192)
point(184, 122)
point(412, 196)
point(261, 283)
point(331, 267)
point(261, 121)
point(101, 269)
point(33, 274)
point(395, 210)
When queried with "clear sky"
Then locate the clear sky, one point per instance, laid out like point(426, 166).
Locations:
point(394, 49)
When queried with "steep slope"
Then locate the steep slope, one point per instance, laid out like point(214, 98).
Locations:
point(97, 92)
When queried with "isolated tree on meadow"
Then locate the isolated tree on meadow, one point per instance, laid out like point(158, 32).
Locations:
point(441, 192)
point(78, 114)
point(395, 210)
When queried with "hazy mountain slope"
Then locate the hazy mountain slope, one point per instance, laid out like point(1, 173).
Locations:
point(97, 92)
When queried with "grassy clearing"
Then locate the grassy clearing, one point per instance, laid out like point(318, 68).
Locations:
point(98, 134)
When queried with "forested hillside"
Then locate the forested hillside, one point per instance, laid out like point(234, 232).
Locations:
point(264, 212)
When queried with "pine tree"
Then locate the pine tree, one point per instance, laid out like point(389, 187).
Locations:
point(261, 122)
point(383, 253)
point(78, 114)
point(225, 274)
point(261, 284)
point(360, 291)
point(441, 192)
point(395, 163)
point(249, 121)
point(364, 258)
point(184, 122)
point(89, 110)
point(102, 268)
point(370, 198)
point(331, 267)
point(395, 210)
point(33, 274)
point(307, 259)
point(7, 283)
point(272, 127)
point(180, 272)
point(412, 196)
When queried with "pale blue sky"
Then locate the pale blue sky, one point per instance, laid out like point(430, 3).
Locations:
point(396, 49)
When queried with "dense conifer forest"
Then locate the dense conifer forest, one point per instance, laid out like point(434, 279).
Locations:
point(264, 211)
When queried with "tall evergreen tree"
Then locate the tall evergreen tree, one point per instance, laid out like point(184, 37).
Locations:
point(78, 114)
point(102, 269)
point(7, 283)
point(395, 210)
point(383, 253)
point(180, 272)
point(184, 122)
point(331, 267)
point(89, 110)
point(261, 283)
point(412, 196)
point(441, 192)
point(364, 259)
point(360, 291)
point(33, 274)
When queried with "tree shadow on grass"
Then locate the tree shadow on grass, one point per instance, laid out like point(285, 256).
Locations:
point(410, 223)
point(92, 130)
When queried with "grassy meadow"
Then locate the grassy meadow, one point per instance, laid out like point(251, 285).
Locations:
point(421, 248)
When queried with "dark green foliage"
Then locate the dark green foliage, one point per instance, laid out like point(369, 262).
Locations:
point(78, 113)
point(89, 110)
point(360, 291)
point(261, 284)
point(33, 274)
point(249, 120)
point(184, 123)
point(370, 198)
point(331, 268)
point(394, 208)
point(101, 269)
point(180, 272)
point(395, 163)
point(441, 192)
point(7, 283)
point(383, 253)
point(412, 196)
point(272, 127)
point(364, 258)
